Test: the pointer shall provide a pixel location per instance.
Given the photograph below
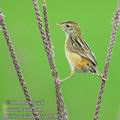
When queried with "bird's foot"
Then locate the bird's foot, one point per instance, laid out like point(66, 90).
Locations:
point(58, 82)
point(1, 18)
point(103, 78)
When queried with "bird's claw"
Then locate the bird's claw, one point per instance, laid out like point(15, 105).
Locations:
point(103, 78)
point(58, 82)
point(1, 19)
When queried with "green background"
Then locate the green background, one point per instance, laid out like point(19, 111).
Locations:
point(81, 91)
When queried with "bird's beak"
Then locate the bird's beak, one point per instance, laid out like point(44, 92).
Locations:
point(59, 25)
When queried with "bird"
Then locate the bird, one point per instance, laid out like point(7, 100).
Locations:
point(78, 53)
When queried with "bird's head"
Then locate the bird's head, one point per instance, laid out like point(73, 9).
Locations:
point(70, 27)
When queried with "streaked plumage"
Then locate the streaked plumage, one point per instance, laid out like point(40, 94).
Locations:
point(78, 53)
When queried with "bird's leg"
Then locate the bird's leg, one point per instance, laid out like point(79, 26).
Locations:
point(71, 75)
point(101, 76)
point(61, 81)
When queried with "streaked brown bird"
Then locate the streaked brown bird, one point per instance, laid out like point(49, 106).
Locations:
point(78, 53)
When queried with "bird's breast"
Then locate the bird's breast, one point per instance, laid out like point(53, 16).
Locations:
point(76, 61)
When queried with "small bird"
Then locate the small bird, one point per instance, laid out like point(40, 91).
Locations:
point(78, 53)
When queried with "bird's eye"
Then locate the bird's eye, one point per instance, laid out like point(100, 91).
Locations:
point(67, 26)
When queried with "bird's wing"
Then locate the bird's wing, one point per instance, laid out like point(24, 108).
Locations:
point(82, 48)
